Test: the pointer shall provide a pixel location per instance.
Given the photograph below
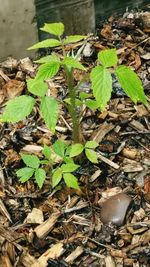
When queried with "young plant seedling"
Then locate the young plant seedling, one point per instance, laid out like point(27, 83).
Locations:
point(88, 148)
point(101, 79)
point(58, 152)
point(32, 169)
point(66, 167)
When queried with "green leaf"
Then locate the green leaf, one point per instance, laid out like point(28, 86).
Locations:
point(45, 44)
point(68, 149)
point(48, 70)
point(69, 167)
point(92, 104)
point(76, 150)
point(83, 95)
point(18, 109)
point(44, 161)
point(51, 58)
point(77, 101)
point(31, 160)
point(71, 180)
point(67, 100)
point(37, 87)
point(56, 177)
point(49, 109)
point(24, 179)
point(101, 85)
point(40, 176)
point(25, 174)
point(73, 39)
point(68, 160)
point(53, 28)
point(91, 144)
point(91, 155)
point(59, 148)
point(108, 57)
point(47, 152)
point(131, 84)
point(73, 63)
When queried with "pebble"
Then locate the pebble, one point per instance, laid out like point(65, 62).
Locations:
point(114, 209)
point(88, 50)
point(146, 56)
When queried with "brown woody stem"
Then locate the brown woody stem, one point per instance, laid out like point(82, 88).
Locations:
point(72, 106)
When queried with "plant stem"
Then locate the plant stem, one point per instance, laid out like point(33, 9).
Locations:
point(72, 106)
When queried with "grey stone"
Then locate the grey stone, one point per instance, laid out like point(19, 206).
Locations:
point(114, 209)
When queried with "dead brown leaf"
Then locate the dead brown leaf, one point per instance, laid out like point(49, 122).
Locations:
point(13, 88)
point(137, 61)
point(106, 31)
point(12, 157)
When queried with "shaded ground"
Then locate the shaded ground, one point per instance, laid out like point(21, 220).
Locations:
point(63, 228)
